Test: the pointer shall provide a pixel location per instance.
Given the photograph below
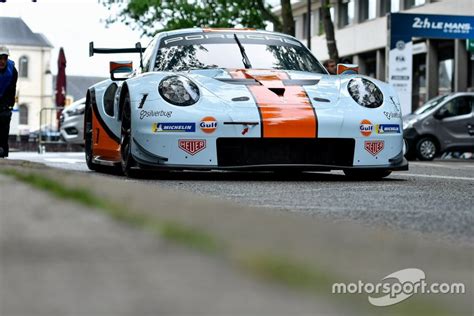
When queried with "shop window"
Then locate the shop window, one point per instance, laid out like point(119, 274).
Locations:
point(413, 3)
point(446, 76)
point(367, 10)
point(389, 6)
point(346, 12)
point(23, 67)
point(23, 109)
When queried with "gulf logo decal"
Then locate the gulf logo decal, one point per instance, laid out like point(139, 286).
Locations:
point(366, 127)
point(208, 124)
point(285, 111)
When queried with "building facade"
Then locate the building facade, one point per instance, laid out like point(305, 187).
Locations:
point(31, 53)
point(439, 66)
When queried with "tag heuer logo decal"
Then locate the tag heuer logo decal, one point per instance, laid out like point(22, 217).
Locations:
point(192, 146)
point(374, 146)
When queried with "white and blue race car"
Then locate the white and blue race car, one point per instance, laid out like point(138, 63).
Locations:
point(237, 99)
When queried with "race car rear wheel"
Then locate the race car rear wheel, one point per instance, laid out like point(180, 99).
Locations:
point(367, 174)
point(127, 160)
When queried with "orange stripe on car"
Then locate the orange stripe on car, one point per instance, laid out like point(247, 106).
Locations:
point(285, 111)
point(103, 145)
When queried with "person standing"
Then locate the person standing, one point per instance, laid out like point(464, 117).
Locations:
point(330, 66)
point(8, 79)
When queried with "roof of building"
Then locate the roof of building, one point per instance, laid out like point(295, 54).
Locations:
point(76, 86)
point(14, 31)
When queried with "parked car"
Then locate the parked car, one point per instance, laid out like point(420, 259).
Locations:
point(238, 99)
point(72, 122)
point(445, 123)
point(48, 133)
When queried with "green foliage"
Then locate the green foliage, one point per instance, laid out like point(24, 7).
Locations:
point(153, 16)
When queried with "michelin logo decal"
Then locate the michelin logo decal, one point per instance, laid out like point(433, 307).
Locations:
point(173, 127)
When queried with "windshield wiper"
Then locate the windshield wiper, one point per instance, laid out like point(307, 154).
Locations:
point(245, 59)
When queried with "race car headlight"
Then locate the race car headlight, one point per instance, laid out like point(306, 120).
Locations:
point(77, 111)
point(365, 93)
point(179, 90)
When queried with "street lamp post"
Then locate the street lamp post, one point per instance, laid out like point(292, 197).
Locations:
point(308, 24)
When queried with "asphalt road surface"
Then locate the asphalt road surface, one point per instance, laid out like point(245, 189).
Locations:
point(434, 199)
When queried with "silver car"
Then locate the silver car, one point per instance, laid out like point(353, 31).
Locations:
point(445, 123)
point(72, 122)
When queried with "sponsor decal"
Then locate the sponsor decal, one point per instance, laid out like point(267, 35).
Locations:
point(192, 146)
point(366, 127)
point(397, 105)
point(208, 124)
point(203, 38)
point(387, 129)
point(173, 127)
point(400, 45)
point(392, 115)
point(374, 146)
point(400, 59)
point(445, 26)
point(146, 114)
point(398, 287)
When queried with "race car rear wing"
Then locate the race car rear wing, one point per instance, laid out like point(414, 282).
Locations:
point(137, 49)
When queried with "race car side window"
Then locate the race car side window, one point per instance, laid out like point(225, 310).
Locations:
point(147, 55)
point(109, 97)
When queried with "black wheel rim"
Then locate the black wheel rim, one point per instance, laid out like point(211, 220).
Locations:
point(125, 139)
point(88, 134)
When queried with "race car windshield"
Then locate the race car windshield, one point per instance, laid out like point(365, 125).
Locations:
point(182, 55)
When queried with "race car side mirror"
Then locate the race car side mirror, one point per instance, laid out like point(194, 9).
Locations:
point(125, 68)
point(347, 69)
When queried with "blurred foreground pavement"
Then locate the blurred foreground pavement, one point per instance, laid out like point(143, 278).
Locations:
point(58, 257)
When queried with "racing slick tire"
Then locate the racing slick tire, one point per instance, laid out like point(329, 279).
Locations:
point(426, 149)
point(367, 174)
point(127, 161)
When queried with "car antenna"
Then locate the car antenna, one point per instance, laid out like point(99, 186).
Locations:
point(245, 58)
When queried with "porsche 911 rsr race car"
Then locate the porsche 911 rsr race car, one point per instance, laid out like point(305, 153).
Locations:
point(239, 99)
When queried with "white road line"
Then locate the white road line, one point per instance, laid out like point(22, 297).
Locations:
point(433, 176)
point(427, 164)
point(65, 160)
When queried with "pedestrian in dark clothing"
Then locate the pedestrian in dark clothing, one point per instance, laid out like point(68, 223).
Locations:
point(330, 66)
point(8, 79)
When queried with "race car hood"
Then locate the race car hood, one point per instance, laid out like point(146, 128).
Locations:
point(274, 85)
point(286, 101)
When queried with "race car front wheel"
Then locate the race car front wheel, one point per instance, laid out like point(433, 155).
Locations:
point(127, 160)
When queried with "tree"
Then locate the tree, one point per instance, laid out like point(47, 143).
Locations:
point(329, 30)
point(153, 16)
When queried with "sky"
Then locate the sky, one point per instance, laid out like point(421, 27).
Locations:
point(72, 24)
